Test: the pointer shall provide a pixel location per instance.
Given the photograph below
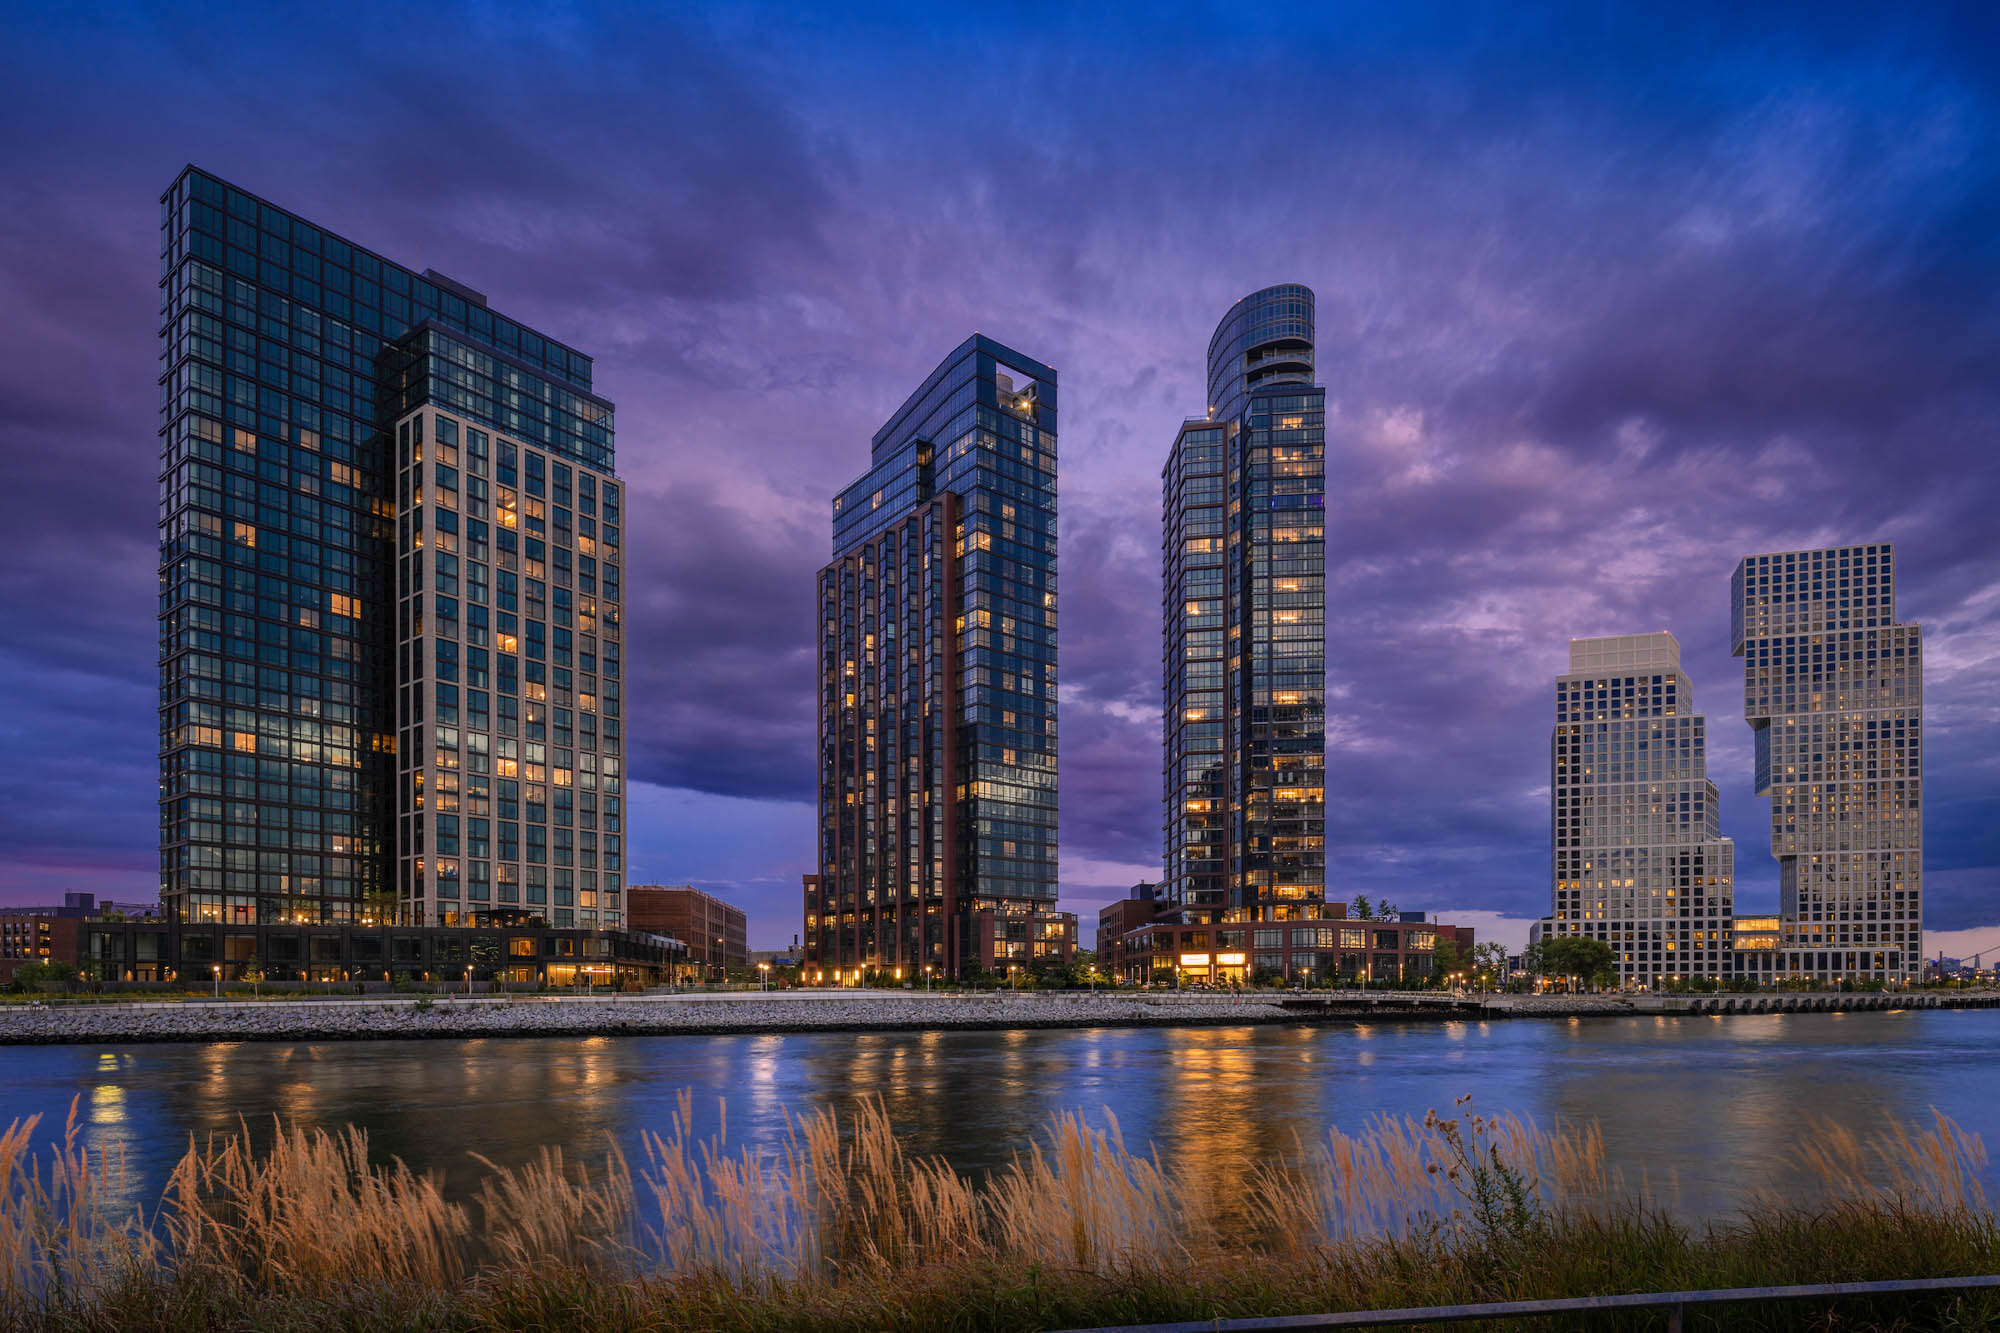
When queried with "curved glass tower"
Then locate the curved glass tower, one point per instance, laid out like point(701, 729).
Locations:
point(1266, 339)
point(1244, 617)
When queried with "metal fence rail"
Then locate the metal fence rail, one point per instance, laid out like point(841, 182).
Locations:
point(1673, 1302)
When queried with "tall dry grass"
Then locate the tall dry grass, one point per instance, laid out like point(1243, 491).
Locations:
point(842, 1221)
point(61, 1239)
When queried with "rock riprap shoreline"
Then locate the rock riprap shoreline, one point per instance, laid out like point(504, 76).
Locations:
point(401, 1017)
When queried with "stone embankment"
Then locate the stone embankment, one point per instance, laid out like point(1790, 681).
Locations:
point(665, 1014)
point(794, 1011)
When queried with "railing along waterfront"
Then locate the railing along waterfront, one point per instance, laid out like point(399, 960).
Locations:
point(1675, 1303)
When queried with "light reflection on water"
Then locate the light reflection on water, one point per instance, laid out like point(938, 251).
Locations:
point(1705, 1109)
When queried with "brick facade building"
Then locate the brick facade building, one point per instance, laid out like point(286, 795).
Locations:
point(1329, 948)
point(31, 939)
point(717, 934)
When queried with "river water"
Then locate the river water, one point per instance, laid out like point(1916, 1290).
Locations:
point(1708, 1111)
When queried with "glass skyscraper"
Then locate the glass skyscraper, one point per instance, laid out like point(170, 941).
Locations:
point(1639, 860)
point(390, 638)
point(1833, 689)
point(937, 735)
point(1244, 611)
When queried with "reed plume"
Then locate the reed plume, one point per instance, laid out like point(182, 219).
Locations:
point(839, 1224)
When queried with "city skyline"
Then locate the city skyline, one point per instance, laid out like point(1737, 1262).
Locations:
point(1753, 366)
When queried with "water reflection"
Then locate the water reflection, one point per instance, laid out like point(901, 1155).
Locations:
point(1710, 1109)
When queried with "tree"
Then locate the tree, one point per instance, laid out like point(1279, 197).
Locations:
point(1386, 911)
point(1576, 956)
point(1052, 973)
point(379, 905)
point(1361, 909)
point(252, 973)
point(1446, 959)
point(1267, 976)
point(1489, 959)
point(44, 976)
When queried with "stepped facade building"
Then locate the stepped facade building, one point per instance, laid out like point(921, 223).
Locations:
point(1833, 693)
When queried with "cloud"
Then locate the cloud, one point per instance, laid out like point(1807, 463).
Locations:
point(1606, 302)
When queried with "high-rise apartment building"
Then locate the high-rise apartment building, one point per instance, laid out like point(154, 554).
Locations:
point(390, 643)
point(937, 735)
point(1244, 602)
point(1833, 691)
point(1639, 860)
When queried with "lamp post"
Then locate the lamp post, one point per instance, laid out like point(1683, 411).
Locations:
point(764, 978)
point(217, 969)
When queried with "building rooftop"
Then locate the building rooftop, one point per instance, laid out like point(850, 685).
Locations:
point(1653, 651)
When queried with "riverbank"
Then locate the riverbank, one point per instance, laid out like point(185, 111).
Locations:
point(708, 1014)
point(309, 1229)
point(401, 1017)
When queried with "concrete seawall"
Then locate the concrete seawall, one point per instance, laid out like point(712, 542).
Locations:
point(401, 1017)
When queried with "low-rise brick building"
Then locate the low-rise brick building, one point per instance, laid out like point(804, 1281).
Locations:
point(29, 939)
point(1328, 949)
point(1140, 905)
point(717, 933)
point(1007, 939)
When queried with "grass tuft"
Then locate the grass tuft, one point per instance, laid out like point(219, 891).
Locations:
point(841, 1229)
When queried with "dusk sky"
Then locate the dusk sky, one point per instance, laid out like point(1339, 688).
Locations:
point(1607, 300)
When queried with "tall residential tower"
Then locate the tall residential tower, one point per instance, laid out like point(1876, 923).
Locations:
point(1639, 860)
point(1834, 692)
point(937, 733)
point(1244, 662)
point(390, 642)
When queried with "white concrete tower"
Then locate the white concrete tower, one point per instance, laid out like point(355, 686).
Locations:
point(1639, 860)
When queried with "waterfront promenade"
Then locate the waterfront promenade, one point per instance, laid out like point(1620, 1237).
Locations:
point(403, 1017)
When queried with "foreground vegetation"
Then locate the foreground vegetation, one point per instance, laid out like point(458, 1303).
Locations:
point(841, 1230)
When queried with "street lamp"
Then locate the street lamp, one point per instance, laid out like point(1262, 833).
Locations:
point(765, 978)
point(218, 980)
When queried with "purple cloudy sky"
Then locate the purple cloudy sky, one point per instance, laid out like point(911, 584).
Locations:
point(1605, 302)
